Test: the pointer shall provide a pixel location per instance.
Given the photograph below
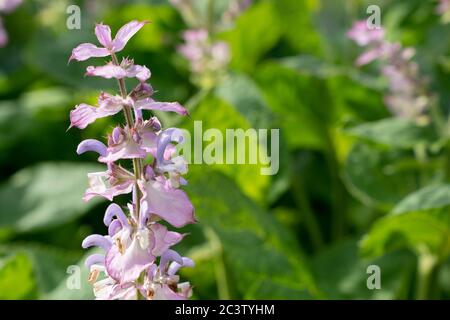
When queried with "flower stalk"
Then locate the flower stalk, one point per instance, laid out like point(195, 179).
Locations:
point(138, 262)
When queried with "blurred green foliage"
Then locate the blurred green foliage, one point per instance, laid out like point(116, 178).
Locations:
point(356, 187)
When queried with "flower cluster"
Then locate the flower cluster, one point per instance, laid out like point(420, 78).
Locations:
point(443, 9)
point(203, 55)
point(235, 8)
point(407, 95)
point(6, 6)
point(207, 58)
point(138, 262)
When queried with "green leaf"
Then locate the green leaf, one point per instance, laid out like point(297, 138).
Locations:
point(300, 104)
point(342, 274)
point(242, 93)
point(414, 230)
point(256, 248)
point(16, 277)
point(64, 290)
point(296, 18)
point(428, 198)
point(393, 132)
point(252, 38)
point(45, 195)
point(50, 270)
point(421, 220)
point(377, 178)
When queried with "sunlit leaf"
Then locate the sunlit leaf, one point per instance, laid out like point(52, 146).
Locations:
point(16, 277)
point(421, 220)
point(393, 132)
point(257, 31)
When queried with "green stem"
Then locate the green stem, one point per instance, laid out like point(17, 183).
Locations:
point(220, 267)
point(137, 163)
point(210, 21)
point(311, 222)
point(426, 266)
point(338, 221)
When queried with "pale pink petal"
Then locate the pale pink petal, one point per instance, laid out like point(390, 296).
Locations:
point(99, 185)
point(368, 56)
point(127, 266)
point(163, 239)
point(114, 211)
point(195, 35)
point(165, 293)
point(175, 266)
point(84, 114)
point(112, 103)
point(128, 149)
point(95, 258)
point(362, 35)
point(149, 142)
point(125, 33)
point(142, 73)
point(8, 6)
point(172, 205)
point(87, 50)
point(127, 291)
point(3, 35)
point(91, 145)
point(96, 240)
point(150, 104)
point(107, 71)
point(103, 33)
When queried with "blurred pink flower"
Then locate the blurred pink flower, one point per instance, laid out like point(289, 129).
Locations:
point(6, 6)
point(203, 55)
point(363, 35)
point(405, 98)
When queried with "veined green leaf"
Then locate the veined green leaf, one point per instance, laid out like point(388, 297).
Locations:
point(45, 195)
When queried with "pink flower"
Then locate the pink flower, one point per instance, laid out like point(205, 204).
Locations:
point(363, 36)
point(150, 104)
point(405, 98)
point(123, 143)
point(443, 7)
point(7, 6)
point(108, 184)
point(136, 240)
point(131, 246)
point(162, 283)
point(103, 32)
point(126, 69)
point(166, 202)
point(108, 105)
point(202, 54)
point(3, 34)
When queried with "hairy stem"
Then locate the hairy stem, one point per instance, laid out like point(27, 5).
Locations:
point(137, 163)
